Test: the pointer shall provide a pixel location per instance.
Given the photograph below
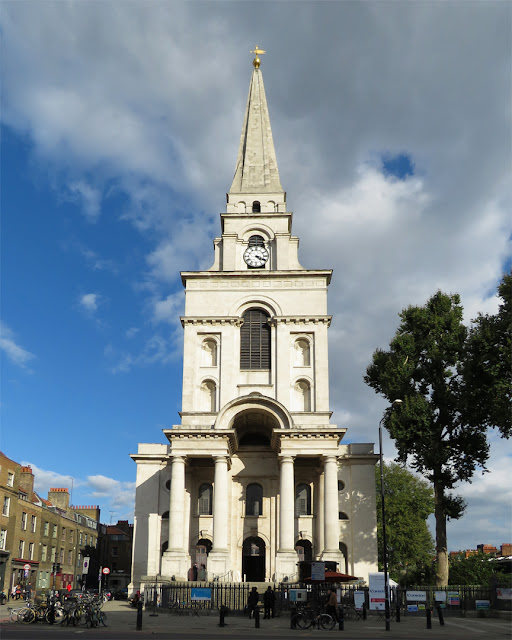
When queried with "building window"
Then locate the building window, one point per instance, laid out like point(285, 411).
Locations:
point(256, 207)
point(33, 523)
point(71, 535)
point(54, 554)
point(303, 500)
point(7, 506)
point(204, 503)
point(70, 557)
point(302, 396)
point(341, 514)
point(255, 340)
point(10, 479)
point(80, 538)
point(208, 396)
point(209, 353)
point(79, 559)
point(21, 549)
point(302, 353)
point(44, 553)
point(254, 500)
point(115, 552)
point(46, 529)
point(61, 556)
point(54, 533)
point(23, 521)
point(63, 534)
point(3, 539)
point(31, 551)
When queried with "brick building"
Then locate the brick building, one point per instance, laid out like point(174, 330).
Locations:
point(37, 532)
point(115, 552)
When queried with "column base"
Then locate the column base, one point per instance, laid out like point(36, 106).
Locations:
point(175, 563)
point(286, 566)
point(332, 555)
point(219, 566)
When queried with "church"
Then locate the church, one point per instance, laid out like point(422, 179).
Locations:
point(255, 479)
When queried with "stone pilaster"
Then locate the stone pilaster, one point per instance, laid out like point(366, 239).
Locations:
point(218, 559)
point(286, 557)
point(331, 515)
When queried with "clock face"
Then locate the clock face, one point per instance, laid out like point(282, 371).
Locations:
point(255, 256)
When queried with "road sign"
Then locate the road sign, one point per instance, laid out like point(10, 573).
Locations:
point(26, 567)
point(106, 570)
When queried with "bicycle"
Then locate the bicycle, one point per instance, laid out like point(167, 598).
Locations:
point(307, 618)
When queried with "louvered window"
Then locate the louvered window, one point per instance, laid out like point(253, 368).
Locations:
point(255, 340)
point(303, 500)
point(204, 504)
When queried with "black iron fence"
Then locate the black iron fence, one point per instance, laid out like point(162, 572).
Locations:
point(190, 597)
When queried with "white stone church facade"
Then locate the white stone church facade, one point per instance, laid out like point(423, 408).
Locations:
point(255, 477)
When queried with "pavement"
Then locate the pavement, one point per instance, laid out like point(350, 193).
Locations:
point(122, 621)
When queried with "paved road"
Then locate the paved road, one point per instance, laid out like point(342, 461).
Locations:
point(122, 625)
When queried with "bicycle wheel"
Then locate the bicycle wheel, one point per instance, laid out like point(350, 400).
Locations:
point(326, 621)
point(13, 615)
point(26, 615)
point(103, 618)
point(302, 621)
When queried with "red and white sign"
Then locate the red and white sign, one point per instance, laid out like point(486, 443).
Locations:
point(26, 567)
point(106, 571)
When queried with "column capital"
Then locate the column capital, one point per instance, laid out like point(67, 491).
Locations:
point(220, 458)
point(286, 458)
point(331, 458)
point(178, 458)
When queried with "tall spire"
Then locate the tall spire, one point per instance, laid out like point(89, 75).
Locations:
point(256, 166)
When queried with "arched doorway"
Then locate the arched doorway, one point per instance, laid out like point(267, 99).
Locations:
point(203, 548)
point(304, 550)
point(253, 559)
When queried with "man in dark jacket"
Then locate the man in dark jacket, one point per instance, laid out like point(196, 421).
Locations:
point(252, 601)
point(269, 601)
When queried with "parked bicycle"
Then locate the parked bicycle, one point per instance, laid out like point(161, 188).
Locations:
point(306, 618)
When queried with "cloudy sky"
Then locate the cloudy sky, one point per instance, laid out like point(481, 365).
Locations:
point(120, 129)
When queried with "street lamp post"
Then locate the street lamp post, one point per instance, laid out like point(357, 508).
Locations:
point(395, 404)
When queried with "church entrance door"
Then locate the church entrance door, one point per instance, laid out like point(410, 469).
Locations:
point(253, 559)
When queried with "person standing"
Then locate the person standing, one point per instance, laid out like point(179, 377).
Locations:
point(252, 601)
point(269, 602)
point(332, 605)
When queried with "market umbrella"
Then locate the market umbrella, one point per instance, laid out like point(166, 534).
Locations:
point(334, 576)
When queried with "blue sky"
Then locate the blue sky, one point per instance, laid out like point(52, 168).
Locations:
point(120, 128)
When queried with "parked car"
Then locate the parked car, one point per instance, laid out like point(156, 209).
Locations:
point(121, 594)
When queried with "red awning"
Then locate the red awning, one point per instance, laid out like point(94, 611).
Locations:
point(334, 576)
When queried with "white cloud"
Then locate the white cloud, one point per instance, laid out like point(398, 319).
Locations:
point(16, 354)
point(45, 479)
point(88, 196)
point(89, 302)
point(120, 495)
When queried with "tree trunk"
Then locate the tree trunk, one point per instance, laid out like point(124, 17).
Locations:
point(441, 545)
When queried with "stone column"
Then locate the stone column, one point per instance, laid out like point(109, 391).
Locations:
point(177, 504)
point(286, 511)
point(220, 505)
point(286, 556)
point(331, 517)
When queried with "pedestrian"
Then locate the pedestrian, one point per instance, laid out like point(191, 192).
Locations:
point(332, 605)
point(18, 591)
point(3, 597)
point(269, 601)
point(28, 591)
point(252, 601)
point(195, 572)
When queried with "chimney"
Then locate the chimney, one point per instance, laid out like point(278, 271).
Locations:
point(27, 481)
point(59, 498)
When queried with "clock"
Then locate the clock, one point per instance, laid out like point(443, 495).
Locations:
point(255, 256)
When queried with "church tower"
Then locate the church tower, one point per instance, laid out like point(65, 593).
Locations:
point(254, 479)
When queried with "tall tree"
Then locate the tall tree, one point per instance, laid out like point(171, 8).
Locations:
point(409, 501)
point(422, 367)
point(487, 370)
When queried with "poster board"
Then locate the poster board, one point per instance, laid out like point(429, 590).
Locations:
point(376, 592)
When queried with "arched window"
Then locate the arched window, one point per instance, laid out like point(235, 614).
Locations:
point(344, 553)
point(256, 207)
point(302, 356)
point(303, 500)
point(302, 396)
point(254, 500)
point(209, 353)
point(256, 241)
point(255, 340)
point(204, 501)
point(208, 396)
point(341, 488)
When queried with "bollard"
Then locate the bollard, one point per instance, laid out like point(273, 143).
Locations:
point(256, 617)
point(440, 615)
point(429, 617)
point(139, 615)
point(398, 613)
point(222, 612)
point(293, 619)
point(364, 610)
point(341, 619)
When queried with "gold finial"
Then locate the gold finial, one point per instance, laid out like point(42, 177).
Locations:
point(256, 62)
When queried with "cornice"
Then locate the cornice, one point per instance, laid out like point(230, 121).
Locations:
point(235, 321)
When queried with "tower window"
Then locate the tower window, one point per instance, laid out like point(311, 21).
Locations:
point(204, 502)
point(255, 340)
point(303, 500)
point(256, 207)
point(256, 241)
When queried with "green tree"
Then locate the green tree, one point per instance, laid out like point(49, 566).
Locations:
point(429, 428)
point(476, 569)
point(409, 501)
point(487, 370)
